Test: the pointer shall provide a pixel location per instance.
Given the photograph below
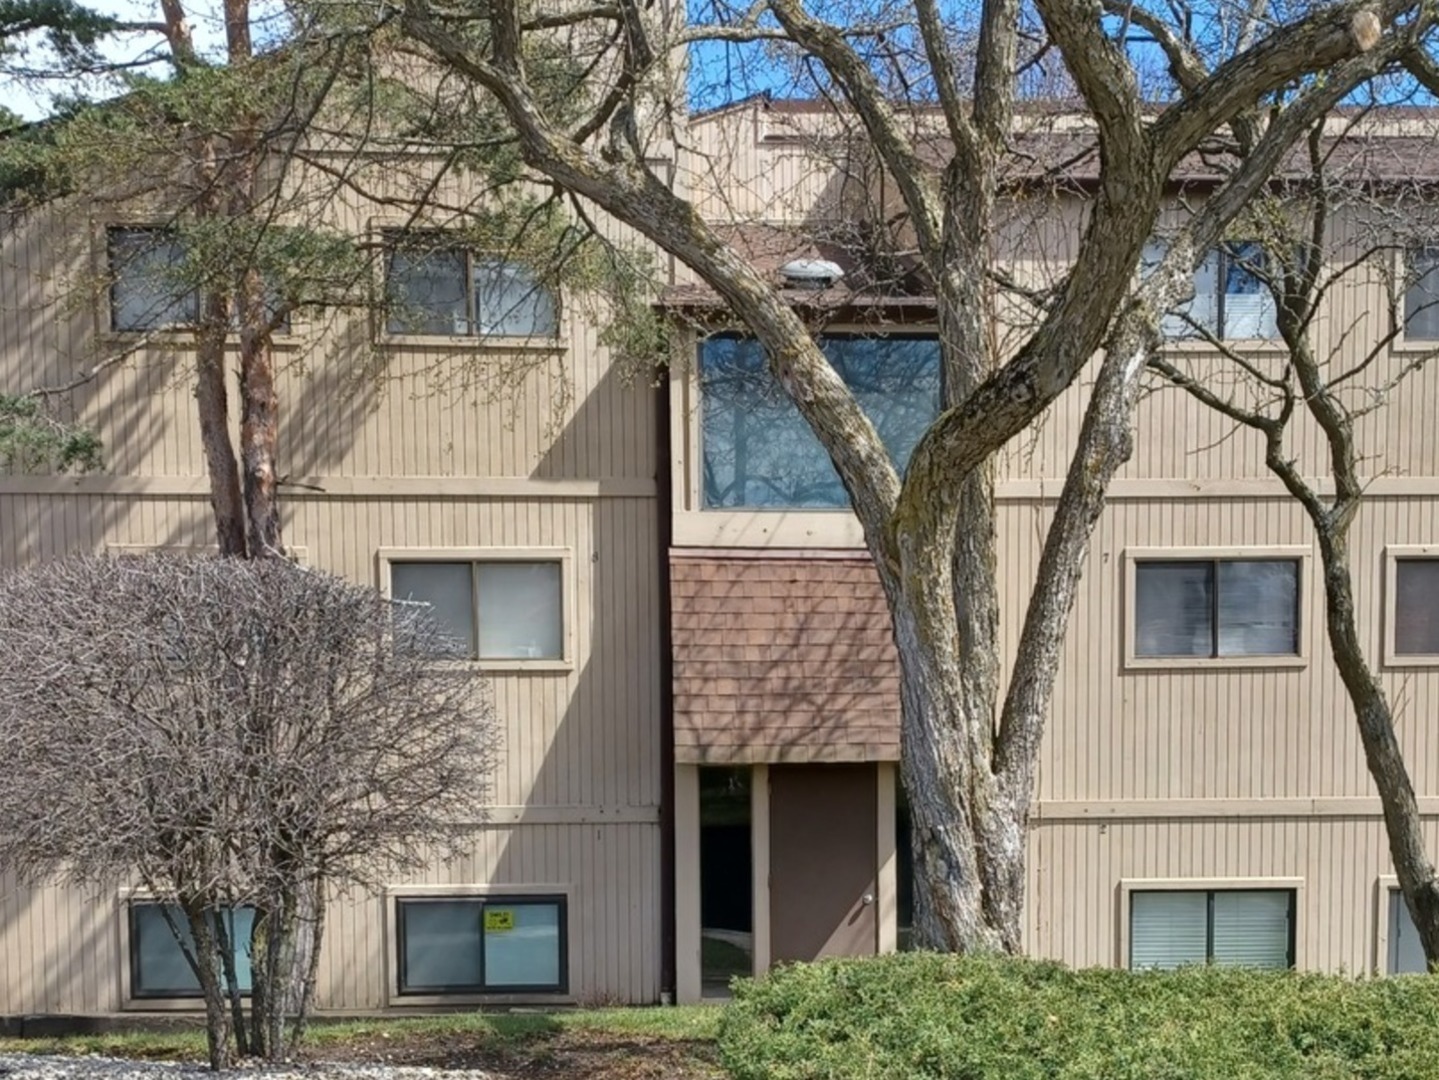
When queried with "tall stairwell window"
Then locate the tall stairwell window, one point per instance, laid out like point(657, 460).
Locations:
point(757, 450)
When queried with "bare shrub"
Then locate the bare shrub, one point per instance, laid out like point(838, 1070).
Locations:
point(232, 733)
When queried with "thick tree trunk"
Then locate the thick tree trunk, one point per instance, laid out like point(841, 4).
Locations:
point(217, 1016)
point(945, 741)
point(953, 911)
point(213, 401)
point(308, 944)
point(259, 422)
point(211, 393)
point(1382, 753)
point(970, 787)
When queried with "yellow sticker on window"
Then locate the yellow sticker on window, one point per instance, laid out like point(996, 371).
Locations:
point(499, 919)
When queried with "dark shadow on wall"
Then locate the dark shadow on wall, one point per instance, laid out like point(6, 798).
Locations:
point(602, 770)
point(322, 407)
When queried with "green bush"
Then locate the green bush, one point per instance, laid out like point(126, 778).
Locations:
point(924, 1016)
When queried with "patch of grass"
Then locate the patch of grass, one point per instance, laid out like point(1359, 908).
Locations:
point(500, 1029)
point(184, 1045)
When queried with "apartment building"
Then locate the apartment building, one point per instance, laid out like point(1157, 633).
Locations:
point(1202, 793)
point(690, 651)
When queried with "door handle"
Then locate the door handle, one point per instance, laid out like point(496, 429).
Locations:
point(867, 899)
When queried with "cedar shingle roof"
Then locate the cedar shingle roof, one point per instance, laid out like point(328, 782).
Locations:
point(785, 658)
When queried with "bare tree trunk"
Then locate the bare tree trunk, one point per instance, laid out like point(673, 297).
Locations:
point(949, 786)
point(259, 422)
point(311, 947)
point(1407, 848)
point(214, 408)
point(259, 403)
point(211, 394)
point(278, 967)
point(261, 931)
point(225, 945)
point(217, 1017)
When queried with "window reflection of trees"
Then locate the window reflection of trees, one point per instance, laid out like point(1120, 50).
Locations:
point(757, 451)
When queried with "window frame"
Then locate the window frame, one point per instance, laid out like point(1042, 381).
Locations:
point(1386, 892)
point(1401, 268)
point(1393, 555)
point(1196, 341)
point(562, 894)
point(569, 587)
point(1295, 886)
point(1279, 553)
point(112, 276)
point(284, 337)
point(389, 237)
point(131, 997)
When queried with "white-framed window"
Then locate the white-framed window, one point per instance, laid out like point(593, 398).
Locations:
point(1214, 605)
point(1411, 587)
point(158, 967)
point(436, 288)
point(1398, 950)
point(508, 607)
point(497, 943)
point(1171, 924)
point(1231, 298)
point(1421, 294)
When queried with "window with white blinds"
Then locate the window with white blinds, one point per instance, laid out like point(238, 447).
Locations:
point(1231, 300)
point(504, 609)
point(1238, 927)
point(1406, 954)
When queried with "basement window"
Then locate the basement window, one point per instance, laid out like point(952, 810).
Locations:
point(1236, 927)
point(470, 945)
point(158, 965)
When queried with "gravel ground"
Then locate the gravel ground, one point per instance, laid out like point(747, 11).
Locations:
point(46, 1067)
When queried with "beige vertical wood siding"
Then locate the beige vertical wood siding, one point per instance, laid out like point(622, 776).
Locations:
point(1074, 912)
point(412, 446)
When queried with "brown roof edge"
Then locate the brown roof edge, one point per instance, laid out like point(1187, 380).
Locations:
point(834, 303)
point(837, 554)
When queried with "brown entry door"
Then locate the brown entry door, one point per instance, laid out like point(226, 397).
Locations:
point(823, 821)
